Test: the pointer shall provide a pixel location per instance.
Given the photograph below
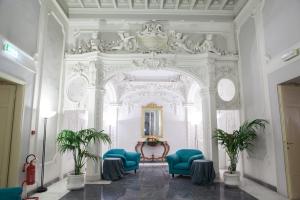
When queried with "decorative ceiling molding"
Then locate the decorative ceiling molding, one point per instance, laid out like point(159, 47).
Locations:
point(114, 8)
point(153, 38)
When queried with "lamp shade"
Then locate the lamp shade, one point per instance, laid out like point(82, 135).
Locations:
point(48, 114)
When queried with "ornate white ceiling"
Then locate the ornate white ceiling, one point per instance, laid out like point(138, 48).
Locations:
point(158, 9)
point(132, 86)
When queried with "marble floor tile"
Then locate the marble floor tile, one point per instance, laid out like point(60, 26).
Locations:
point(154, 183)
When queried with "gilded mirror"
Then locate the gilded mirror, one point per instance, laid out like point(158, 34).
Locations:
point(152, 120)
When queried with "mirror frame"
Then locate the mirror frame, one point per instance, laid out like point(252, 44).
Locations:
point(150, 107)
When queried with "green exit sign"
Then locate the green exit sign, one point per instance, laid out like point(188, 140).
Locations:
point(9, 49)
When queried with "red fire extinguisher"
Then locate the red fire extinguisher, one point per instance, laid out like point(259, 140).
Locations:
point(29, 169)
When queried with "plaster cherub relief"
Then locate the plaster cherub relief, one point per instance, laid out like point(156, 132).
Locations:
point(126, 42)
point(207, 45)
point(93, 42)
point(152, 38)
point(180, 42)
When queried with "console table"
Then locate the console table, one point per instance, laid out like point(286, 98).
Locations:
point(139, 147)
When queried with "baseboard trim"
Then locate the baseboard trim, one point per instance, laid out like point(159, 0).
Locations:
point(32, 192)
point(260, 182)
point(55, 180)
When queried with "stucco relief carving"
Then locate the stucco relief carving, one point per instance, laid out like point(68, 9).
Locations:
point(154, 89)
point(228, 71)
point(152, 38)
point(153, 63)
point(79, 68)
point(198, 72)
point(77, 89)
point(77, 82)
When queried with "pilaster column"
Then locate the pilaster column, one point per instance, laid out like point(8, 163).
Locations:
point(209, 112)
point(95, 117)
point(116, 107)
point(188, 107)
point(209, 116)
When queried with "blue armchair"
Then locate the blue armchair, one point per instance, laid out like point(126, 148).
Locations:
point(130, 160)
point(181, 161)
point(11, 193)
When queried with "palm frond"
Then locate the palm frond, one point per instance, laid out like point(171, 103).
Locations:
point(240, 139)
point(78, 142)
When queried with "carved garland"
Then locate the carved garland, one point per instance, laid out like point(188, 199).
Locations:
point(152, 38)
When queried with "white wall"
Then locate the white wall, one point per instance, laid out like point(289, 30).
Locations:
point(50, 94)
point(281, 18)
point(264, 33)
point(174, 126)
point(34, 28)
point(19, 22)
point(281, 25)
point(21, 29)
point(260, 163)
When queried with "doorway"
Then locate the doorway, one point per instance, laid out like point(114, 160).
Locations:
point(289, 102)
point(11, 110)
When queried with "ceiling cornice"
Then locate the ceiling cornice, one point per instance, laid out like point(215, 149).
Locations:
point(109, 11)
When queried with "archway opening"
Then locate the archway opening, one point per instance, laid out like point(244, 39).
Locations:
point(167, 88)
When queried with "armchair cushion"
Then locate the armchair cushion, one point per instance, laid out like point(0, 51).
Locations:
point(116, 151)
point(130, 160)
point(173, 158)
point(185, 154)
point(130, 163)
point(11, 193)
point(195, 157)
point(182, 166)
point(133, 156)
point(181, 161)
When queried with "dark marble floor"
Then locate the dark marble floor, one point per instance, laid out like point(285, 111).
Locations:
point(154, 183)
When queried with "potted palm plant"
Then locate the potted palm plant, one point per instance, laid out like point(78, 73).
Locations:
point(77, 142)
point(235, 143)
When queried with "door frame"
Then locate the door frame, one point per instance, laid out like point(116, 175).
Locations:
point(17, 124)
point(287, 72)
point(284, 134)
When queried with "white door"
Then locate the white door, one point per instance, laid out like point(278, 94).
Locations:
point(7, 104)
point(290, 117)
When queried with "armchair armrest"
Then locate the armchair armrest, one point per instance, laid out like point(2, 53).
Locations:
point(173, 159)
point(115, 156)
point(195, 157)
point(11, 193)
point(133, 156)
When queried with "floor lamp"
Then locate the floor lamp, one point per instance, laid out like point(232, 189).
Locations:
point(46, 116)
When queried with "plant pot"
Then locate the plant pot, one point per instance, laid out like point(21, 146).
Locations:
point(232, 179)
point(75, 182)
